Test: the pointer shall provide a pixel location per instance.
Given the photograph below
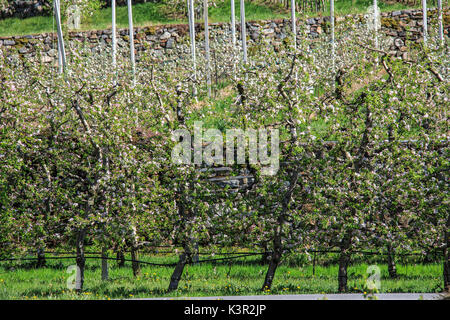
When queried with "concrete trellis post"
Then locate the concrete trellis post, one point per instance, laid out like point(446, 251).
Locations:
point(60, 63)
point(131, 33)
point(243, 32)
point(233, 24)
point(105, 273)
point(207, 54)
point(114, 40)
point(294, 23)
point(425, 22)
point(333, 49)
point(441, 27)
point(375, 21)
point(233, 35)
point(61, 49)
point(191, 20)
point(73, 17)
point(294, 30)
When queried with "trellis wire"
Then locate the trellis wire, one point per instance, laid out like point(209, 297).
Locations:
point(237, 255)
point(136, 261)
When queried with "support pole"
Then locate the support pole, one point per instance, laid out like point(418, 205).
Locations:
point(105, 274)
point(131, 32)
point(60, 64)
point(375, 21)
point(192, 36)
point(314, 264)
point(294, 23)
point(61, 49)
point(114, 40)
point(233, 35)
point(441, 26)
point(294, 31)
point(333, 49)
point(243, 33)
point(233, 25)
point(425, 22)
point(208, 57)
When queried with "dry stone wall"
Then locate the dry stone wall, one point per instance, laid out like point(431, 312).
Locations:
point(401, 26)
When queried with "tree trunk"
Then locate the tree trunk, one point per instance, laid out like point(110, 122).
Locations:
point(276, 257)
point(135, 264)
point(266, 255)
point(176, 275)
point(40, 258)
point(104, 264)
point(134, 253)
point(81, 260)
point(277, 243)
point(343, 265)
point(391, 263)
point(120, 258)
point(195, 256)
point(273, 265)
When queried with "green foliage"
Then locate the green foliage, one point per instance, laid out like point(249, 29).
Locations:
point(86, 156)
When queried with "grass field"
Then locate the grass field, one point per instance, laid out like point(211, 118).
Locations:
point(21, 280)
point(152, 14)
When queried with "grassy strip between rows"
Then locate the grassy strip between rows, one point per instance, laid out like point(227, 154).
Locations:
point(21, 280)
point(152, 14)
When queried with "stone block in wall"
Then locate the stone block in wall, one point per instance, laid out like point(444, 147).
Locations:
point(411, 23)
point(23, 50)
point(254, 35)
point(267, 32)
point(166, 35)
point(52, 53)
point(398, 42)
point(170, 43)
point(46, 59)
point(9, 42)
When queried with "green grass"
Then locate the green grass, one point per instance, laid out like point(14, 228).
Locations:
point(242, 277)
point(346, 6)
point(152, 14)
